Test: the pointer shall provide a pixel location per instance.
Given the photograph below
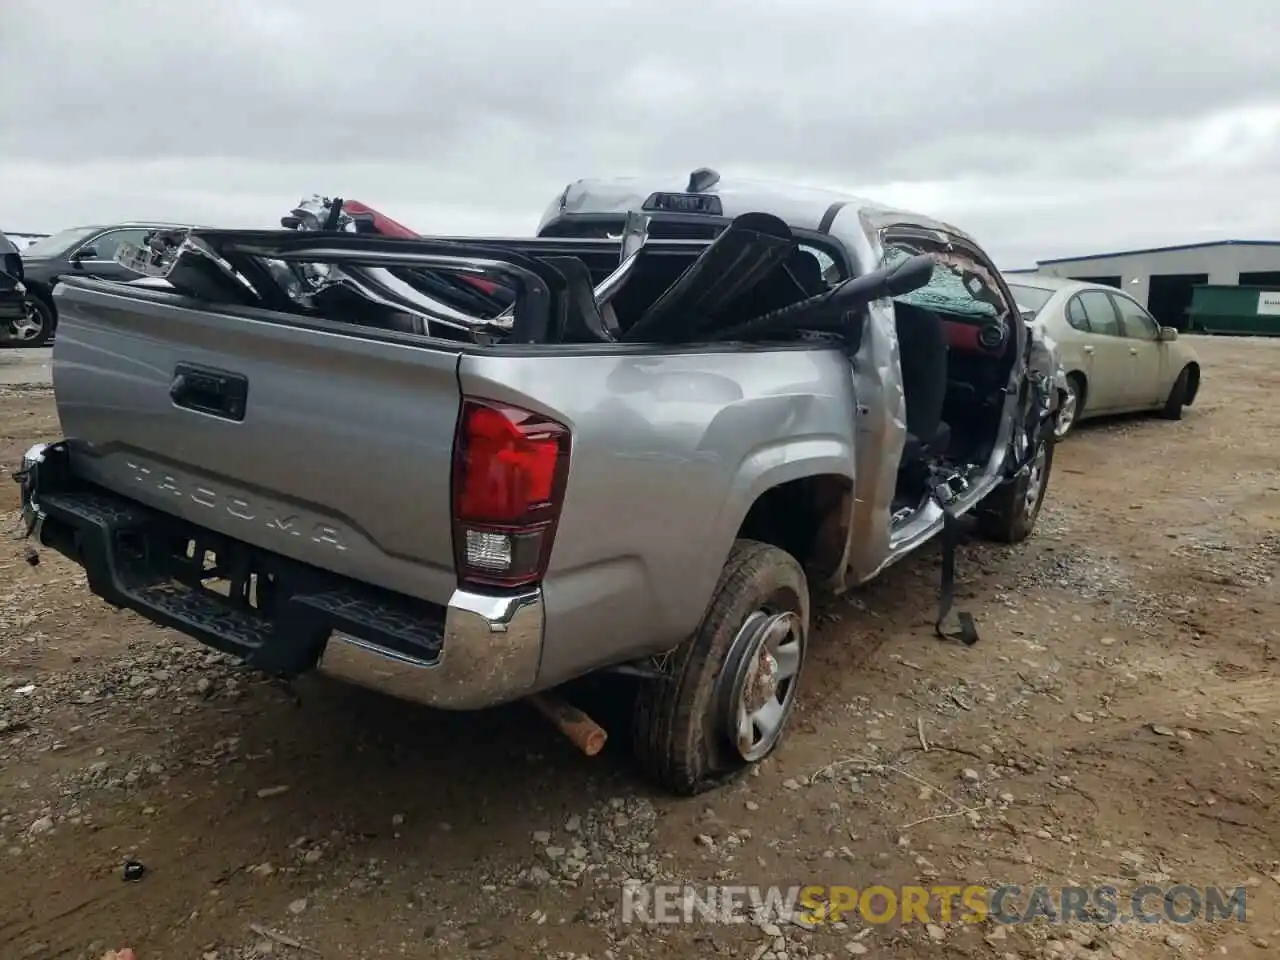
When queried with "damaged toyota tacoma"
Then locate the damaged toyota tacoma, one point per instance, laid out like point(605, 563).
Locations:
point(468, 471)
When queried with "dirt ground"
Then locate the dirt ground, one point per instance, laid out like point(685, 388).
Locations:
point(1118, 723)
point(25, 365)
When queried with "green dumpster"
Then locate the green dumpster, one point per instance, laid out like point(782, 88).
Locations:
point(1235, 311)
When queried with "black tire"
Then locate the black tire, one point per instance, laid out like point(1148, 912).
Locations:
point(1006, 516)
point(680, 735)
point(1172, 409)
point(1076, 388)
point(42, 314)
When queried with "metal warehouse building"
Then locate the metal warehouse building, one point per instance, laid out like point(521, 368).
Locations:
point(1163, 278)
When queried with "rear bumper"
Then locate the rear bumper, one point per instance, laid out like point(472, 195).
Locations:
point(281, 616)
point(489, 655)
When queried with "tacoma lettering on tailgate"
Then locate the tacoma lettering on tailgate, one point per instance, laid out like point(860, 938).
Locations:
point(288, 524)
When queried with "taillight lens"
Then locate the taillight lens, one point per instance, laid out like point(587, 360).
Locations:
point(509, 472)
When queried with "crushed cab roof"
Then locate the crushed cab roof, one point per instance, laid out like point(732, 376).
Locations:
point(802, 207)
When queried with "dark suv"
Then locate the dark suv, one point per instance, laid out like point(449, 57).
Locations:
point(16, 313)
point(78, 251)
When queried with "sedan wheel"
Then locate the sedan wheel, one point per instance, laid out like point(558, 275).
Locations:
point(1172, 409)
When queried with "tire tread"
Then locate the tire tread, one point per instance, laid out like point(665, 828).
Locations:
point(671, 740)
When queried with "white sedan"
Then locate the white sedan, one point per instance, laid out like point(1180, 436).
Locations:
point(1116, 357)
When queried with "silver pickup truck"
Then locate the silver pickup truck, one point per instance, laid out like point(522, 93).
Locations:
point(467, 471)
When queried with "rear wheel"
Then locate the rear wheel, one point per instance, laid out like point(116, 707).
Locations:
point(1009, 514)
point(731, 687)
point(1172, 409)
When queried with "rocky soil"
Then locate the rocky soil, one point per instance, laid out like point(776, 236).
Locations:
point(1118, 723)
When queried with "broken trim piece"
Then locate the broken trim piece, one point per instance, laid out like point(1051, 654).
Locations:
point(360, 261)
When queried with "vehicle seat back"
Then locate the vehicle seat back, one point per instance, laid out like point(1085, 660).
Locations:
point(584, 321)
point(796, 278)
point(807, 272)
point(922, 351)
point(735, 263)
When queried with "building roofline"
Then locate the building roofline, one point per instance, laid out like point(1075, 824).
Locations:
point(1179, 246)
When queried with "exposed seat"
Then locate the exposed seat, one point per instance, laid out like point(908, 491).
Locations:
point(584, 321)
point(795, 279)
point(806, 271)
point(914, 451)
point(735, 263)
point(922, 351)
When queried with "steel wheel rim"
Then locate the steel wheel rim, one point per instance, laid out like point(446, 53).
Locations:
point(1035, 481)
point(1066, 412)
point(772, 648)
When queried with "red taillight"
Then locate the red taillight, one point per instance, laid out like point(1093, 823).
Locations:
point(509, 473)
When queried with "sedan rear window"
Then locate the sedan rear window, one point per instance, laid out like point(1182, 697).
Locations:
point(59, 243)
point(1033, 298)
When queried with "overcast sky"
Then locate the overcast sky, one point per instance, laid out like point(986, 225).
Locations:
point(1045, 127)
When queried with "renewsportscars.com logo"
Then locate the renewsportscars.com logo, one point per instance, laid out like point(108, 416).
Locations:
point(815, 905)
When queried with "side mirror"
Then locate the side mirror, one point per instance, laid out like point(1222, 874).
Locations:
point(86, 253)
point(1167, 334)
point(911, 274)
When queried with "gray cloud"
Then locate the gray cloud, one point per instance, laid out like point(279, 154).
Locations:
point(1111, 121)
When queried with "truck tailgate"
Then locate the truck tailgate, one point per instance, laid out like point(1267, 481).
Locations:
point(331, 449)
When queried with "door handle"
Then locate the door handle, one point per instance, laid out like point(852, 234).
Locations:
point(218, 393)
